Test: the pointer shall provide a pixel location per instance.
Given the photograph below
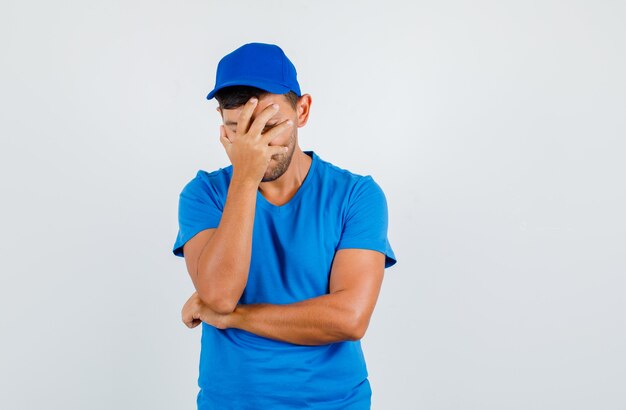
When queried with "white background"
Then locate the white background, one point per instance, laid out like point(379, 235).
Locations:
point(495, 128)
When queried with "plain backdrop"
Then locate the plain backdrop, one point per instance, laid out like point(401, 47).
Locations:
point(495, 128)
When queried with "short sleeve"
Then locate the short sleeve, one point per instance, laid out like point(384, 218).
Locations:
point(197, 211)
point(366, 219)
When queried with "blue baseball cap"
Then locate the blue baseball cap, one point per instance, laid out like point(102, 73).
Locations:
point(260, 65)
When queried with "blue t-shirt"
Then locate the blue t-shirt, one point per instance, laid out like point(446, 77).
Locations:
point(293, 246)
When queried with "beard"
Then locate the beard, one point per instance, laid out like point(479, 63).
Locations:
point(282, 162)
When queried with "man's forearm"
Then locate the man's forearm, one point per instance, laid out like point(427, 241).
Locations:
point(320, 320)
point(224, 262)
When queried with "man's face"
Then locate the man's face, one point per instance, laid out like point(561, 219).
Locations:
point(280, 162)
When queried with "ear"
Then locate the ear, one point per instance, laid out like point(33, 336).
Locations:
point(303, 108)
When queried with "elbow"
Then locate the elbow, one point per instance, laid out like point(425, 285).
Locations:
point(357, 333)
point(218, 304)
point(221, 296)
point(223, 307)
point(356, 327)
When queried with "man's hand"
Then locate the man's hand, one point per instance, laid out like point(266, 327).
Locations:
point(195, 311)
point(248, 148)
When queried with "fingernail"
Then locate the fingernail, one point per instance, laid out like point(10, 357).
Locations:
point(253, 100)
point(274, 105)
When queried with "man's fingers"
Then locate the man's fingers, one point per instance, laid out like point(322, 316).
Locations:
point(244, 116)
point(191, 318)
point(278, 150)
point(261, 119)
point(193, 323)
point(186, 319)
point(276, 131)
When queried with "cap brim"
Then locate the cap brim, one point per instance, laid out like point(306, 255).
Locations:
point(267, 86)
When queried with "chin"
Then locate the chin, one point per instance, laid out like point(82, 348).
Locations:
point(270, 175)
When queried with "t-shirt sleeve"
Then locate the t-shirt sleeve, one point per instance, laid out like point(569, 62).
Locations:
point(197, 210)
point(366, 220)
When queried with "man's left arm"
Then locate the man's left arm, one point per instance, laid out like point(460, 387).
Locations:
point(342, 314)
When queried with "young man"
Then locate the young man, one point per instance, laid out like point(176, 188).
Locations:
point(286, 252)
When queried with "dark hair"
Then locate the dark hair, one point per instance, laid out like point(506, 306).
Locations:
point(237, 95)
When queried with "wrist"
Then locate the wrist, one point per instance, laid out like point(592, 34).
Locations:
point(244, 181)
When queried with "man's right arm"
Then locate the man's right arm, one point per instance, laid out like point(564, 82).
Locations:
point(218, 259)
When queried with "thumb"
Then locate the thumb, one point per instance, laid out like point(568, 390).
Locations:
point(223, 138)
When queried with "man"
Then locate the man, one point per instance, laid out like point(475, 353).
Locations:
point(286, 252)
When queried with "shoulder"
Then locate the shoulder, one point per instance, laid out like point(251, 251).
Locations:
point(207, 189)
point(352, 184)
point(213, 183)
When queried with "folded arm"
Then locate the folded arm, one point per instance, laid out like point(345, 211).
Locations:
point(342, 314)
